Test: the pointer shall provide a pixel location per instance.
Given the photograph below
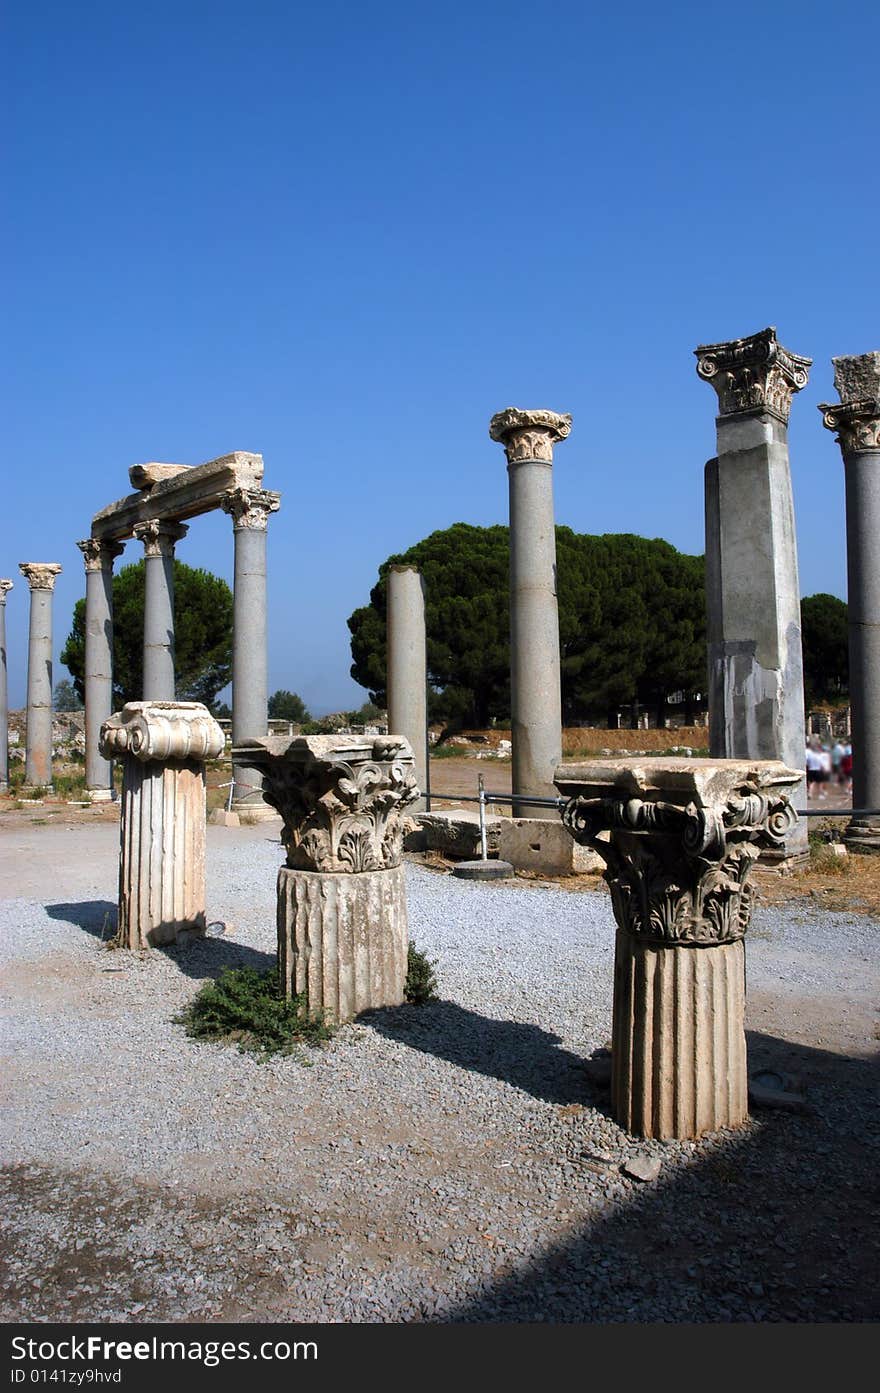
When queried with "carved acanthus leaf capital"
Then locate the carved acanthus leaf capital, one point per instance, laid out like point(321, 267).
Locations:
point(159, 537)
point(528, 435)
point(250, 508)
point(40, 575)
point(855, 419)
point(753, 374)
point(5, 585)
point(162, 730)
point(98, 555)
point(340, 797)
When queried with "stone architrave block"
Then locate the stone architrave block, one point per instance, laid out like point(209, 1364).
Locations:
point(536, 844)
point(164, 746)
point(684, 835)
point(342, 922)
point(456, 833)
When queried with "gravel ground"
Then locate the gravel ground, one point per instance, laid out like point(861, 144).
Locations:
point(451, 1162)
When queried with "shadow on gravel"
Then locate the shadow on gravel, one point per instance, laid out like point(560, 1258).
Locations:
point(522, 1055)
point(775, 1223)
point(96, 917)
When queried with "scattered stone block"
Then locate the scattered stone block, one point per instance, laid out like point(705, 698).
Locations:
point(221, 818)
point(483, 870)
point(537, 844)
point(457, 833)
point(642, 1166)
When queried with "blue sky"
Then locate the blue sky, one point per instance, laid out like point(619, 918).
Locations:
point(344, 235)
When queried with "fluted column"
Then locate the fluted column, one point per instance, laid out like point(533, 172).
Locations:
point(856, 422)
point(683, 837)
point(249, 510)
point(98, 557)
point(38, 750)
point(342, 923)
point(5, 587)
point(756, 686)
point(528, 438)
point(407, 678)
point(163, 746)
point(159, 539)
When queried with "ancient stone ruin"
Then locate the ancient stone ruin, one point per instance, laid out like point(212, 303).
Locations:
point(40, 577)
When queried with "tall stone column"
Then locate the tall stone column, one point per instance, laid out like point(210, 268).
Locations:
point(528, 438)
point(856, 421)
point(164, 746)
point(99, 557)
point(249, 510)
point(159, 539)
point(683, 837)
point(407, 668)
point(38, 750)
point(756, 685)
point(342, 923)
point(5, 586)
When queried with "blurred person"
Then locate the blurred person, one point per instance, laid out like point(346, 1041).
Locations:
point(846, 764)
point(837, 750)
point(814, 767)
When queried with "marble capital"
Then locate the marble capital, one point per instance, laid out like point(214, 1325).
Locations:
point(855, 419)
point(250, 508)
point(753, 374)
point(98, 555)
point(5, 585)
point(158, 731)
point(159, 538)
point(683, 837)
point(529, 435)
point(40, 575)
point(340, 797)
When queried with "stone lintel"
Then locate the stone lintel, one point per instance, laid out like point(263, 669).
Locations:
point(40, 575)
point(754, 373)
point(529, 435)
point(195, 489)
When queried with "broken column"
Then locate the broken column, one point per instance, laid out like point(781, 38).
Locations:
point(342, 924)
point(99, 557)
point(40, 576)
point(684, 835)
point(528, 438)
point(856, 421)
point(159, 538)
point(756, 687)
point(163, 746)
point(249, 509)
point(407, 677)
point(5, 586)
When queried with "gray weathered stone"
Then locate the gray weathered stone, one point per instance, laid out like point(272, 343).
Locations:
point(145, 476)
point(5, 587)
point(189, 491)
point(457, 833)
point(642, 1167)
point(40, 576)
point(98, 558)
point(159, 539)
point(407, 667)
point(536, 844)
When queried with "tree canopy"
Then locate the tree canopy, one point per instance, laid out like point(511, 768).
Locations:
point(288, 706)
point(825, 635)
point(203, 635)
point(631, 623)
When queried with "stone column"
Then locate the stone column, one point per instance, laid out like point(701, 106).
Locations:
point(342, 924)
point(756, 685)
point(856, 421)
point(5, 586)
point(535, 684)
point(99, 557)
point(38, 750)
point(164, 746)
point(683, 837)
point(159, 539)
point(407, 668)
point(249, 510)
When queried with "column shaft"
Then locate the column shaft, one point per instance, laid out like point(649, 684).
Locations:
point(159, 628)
point(863, 590)
point(406, 682)
point(98, 661)
point(5, 585)
point(38, 750)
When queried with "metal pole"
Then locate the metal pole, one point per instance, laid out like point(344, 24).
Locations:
point(484, 851)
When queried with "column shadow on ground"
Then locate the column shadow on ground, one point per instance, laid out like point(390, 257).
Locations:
point(520, 1054)
point(776, 1223)
point(197, 957)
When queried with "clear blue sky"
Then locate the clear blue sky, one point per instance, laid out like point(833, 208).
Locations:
point(343, 235)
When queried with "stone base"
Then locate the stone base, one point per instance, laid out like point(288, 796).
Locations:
point(254, 811)
point(343, 939)
point(862, 837)
point(538, 844)
point(101, 795)
point(483, 870)
point(679, 1047)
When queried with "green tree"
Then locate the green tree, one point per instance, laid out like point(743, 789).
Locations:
point(288, 706)
point(65, 697)
point(825, 637)
point(631, 623)
point(203, 635)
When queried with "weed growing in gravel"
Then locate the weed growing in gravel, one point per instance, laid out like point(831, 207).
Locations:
point(248, 1008)
point(421, 983)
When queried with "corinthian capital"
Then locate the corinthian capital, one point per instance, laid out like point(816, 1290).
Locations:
point(528, 435)
point(98, 555)
point(753, 374)
point(856, 418)
point(250, 508)
point(40, 575)
point(4, 586)
point(159, 538)
point(340, 797)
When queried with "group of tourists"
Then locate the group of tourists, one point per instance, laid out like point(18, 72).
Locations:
point(828, 764)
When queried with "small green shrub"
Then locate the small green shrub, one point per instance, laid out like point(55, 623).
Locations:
point(70, 785)
point(421, 983)
point(248, 1008)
